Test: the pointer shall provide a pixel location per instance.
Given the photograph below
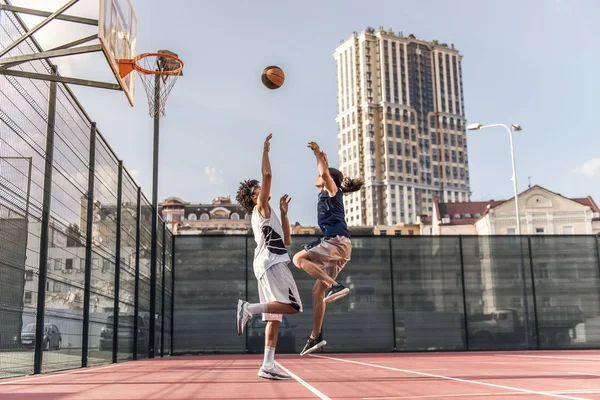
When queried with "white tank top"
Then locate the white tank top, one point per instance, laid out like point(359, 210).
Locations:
point(270, 249)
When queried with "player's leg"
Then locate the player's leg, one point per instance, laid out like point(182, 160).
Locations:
point(269, 370)
point(315, 340)
point(277, 285)
point(332, 255)
point(315, 257)
point(303, 261)
point(319, 306)
point(278, 294)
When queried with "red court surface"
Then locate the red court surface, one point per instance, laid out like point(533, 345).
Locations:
point(500, 375)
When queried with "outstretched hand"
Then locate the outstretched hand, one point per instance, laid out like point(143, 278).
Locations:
point(267, 147)
point(314, 147)
point(283, 203)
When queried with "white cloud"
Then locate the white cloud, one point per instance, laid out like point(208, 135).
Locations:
point(589, 168)
point(214, 175)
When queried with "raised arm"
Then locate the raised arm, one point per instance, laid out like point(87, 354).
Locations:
point(285, 223)
point(323, 167)
point(265, 192)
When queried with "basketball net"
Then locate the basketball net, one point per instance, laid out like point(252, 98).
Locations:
point(159, 73)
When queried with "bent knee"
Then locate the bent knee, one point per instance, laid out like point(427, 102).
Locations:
point(299, 258)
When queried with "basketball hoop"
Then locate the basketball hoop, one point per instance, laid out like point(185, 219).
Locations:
point(159, 72)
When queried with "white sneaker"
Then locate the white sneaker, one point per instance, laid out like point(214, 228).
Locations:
point(274, 373)
point(243, 315)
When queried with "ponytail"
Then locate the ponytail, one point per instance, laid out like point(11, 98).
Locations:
point(350, 185)
point(347, 185)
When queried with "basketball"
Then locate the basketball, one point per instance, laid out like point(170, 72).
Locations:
point(273, 77)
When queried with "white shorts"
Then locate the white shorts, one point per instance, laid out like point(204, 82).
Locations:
point(278, 284)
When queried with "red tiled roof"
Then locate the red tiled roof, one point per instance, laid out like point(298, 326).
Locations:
point(468, 212)
point(588, 201)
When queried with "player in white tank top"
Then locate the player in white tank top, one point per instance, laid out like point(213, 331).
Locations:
point(270, 248)
point(277, 289)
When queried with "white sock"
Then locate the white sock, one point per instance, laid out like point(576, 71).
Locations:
point(257, 308)
point(269, 361)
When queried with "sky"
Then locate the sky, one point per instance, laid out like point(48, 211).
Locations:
point(532, 62)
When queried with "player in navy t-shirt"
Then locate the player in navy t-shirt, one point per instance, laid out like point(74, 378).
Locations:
point(323, 259)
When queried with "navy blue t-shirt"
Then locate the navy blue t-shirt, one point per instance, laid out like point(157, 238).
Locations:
point(331, 214)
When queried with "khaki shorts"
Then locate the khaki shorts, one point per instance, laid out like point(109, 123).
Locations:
point(330, 254)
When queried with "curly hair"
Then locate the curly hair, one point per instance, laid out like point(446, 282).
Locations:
point(244, 194)
point(347, 185)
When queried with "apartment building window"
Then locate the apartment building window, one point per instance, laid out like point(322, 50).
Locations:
point(546, 302)
point(69, 264)
point(539, 231)
point(542, 271)
point(28, 275)
point(27, 298)
point(568, 230)
point(511, 231)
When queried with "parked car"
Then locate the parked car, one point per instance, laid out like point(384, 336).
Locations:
point(52, 337)
point(286, 342)
point(125, 333)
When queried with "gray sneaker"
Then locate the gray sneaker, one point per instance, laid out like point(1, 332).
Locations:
point(274, 373)
point(243, 315)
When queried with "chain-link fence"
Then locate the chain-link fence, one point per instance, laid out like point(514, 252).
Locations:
point(74, 234)
point(408, 293)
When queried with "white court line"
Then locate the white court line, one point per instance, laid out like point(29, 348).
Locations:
point(354, 370)
point(306, 385)
point(436, 396)
point(551, 357)
point(14, 381)
point(452, 379)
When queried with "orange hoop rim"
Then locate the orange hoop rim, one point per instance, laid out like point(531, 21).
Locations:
point(130, 64)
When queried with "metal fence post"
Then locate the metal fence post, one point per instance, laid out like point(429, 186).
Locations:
point(136, 285)
point(598, 250)
point(246, 283)
point(464, 292)
point(45, 228)
point(392, 289)
point(162, 311)
point(172, 294)
point(88, 249)
point(115, 349)
point(535, 313)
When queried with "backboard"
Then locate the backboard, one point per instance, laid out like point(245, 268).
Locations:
point(117, 32)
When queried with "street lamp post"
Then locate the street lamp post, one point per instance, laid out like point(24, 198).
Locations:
point(514, 127)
